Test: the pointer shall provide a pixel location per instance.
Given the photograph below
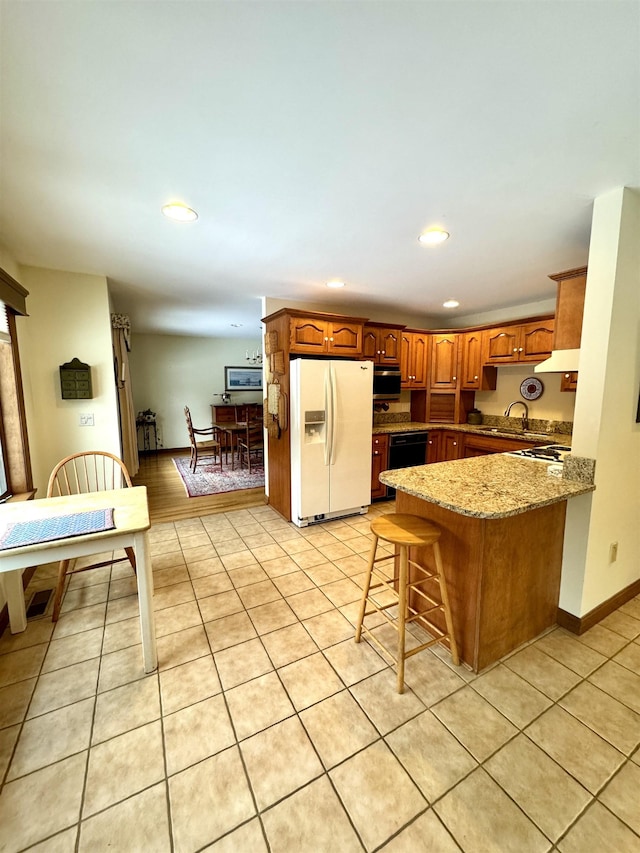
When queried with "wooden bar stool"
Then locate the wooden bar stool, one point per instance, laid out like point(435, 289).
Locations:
point(405, 531)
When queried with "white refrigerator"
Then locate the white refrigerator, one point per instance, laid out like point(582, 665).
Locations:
point(330, 427)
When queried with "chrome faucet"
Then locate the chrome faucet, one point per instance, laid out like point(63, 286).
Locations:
point(525, 414)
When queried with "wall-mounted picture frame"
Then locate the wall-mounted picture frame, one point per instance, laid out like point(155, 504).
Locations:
point(243, 379)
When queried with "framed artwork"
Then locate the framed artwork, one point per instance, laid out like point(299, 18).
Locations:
point(243, 379)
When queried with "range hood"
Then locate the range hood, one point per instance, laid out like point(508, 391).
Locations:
point(568, 331)
point(560, 361)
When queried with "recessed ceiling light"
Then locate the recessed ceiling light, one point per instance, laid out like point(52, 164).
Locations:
point(179, 212)
point(433, 236)
point(335, 284)
point(450, 303)
point(236, 325)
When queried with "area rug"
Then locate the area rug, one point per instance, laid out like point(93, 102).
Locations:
point(209, 480)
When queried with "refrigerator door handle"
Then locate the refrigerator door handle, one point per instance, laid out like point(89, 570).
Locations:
point(328, 401)
point(332, 386)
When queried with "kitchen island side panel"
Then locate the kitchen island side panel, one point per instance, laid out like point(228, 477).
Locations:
point(503, 575)
point(461, 545)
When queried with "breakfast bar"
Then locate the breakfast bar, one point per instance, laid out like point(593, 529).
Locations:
point(502, 520)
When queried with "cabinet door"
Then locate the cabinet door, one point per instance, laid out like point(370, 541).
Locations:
point(452, 445)
point(370, 344)
point(389, 345)
point(307, 335)
point(379, 454)
point(501, 345)
point(471, 358)
point(419, 357)
point(536, 341)
point(433, 446)
point(344, 338)
point(444, 362)
point(405, 359)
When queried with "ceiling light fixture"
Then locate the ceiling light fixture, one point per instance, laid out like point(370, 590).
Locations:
point(433, 236)
point(335, 284)
point(450, 303)
point(179, 212)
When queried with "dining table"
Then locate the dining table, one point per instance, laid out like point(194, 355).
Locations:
point(231, 429)
point(129, 511)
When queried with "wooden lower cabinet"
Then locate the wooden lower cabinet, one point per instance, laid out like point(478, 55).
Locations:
point(379, 457)
point(447, 445)
point(433, 446)
point(503, 575)
point(482, 445)
point(451, 446)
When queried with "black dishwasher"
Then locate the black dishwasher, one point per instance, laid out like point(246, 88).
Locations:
point(406, 449)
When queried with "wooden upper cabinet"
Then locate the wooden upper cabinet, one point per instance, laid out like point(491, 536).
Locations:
point(344, 338)
point(471, 361)
point(525, 342)
point(569, 307)
point(382, 343)
point(413, 359)
point(326, 335)
point(501, 345)
point(307, 335)
point(443, 373)
point(536, 340)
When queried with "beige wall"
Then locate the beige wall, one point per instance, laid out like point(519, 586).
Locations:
point(606, 402)
point(554, 405)
point(169, 372)
point(68, 318)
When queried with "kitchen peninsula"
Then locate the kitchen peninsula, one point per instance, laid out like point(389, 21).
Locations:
point(502, 521)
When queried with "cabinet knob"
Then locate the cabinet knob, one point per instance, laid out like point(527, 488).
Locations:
point(475, 377)
point(455, 443)
point(382, 351)
point(453, 378)
point(326, 339)
point(430, 441)
point(515, 349)
point(567, 375)
point(520, 350)
point(331, 339)
point(375, 453)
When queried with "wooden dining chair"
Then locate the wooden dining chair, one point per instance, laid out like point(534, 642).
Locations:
point(208, 447)
point(250, 442)
point(79, 474)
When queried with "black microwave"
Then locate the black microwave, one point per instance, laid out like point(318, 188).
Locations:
point(387, 383)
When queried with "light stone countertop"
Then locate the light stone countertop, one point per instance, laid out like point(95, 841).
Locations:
point(494, 432)
point(493, 486)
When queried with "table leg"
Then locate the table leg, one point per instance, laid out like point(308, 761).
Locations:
point(11, 586)
point(145, 602)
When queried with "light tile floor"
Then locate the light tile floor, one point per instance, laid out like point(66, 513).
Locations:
point(268, 728)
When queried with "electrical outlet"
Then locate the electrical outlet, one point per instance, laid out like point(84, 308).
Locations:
point(613, 552)
point(86, 420)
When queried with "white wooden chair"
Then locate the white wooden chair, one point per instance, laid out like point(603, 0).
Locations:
point(79, 474)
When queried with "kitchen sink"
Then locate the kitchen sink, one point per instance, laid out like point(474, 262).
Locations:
point(511, 431)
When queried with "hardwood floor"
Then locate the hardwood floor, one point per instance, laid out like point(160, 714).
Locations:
point(168, 500)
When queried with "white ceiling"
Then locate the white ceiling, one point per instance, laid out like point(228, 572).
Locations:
point(316, 140)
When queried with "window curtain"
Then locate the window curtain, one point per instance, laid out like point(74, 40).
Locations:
point(121, 337)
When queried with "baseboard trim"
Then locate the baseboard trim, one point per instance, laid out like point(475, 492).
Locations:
point(580, 624)
point(4, 613)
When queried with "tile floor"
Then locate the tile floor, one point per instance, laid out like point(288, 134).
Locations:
point(268, 728)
